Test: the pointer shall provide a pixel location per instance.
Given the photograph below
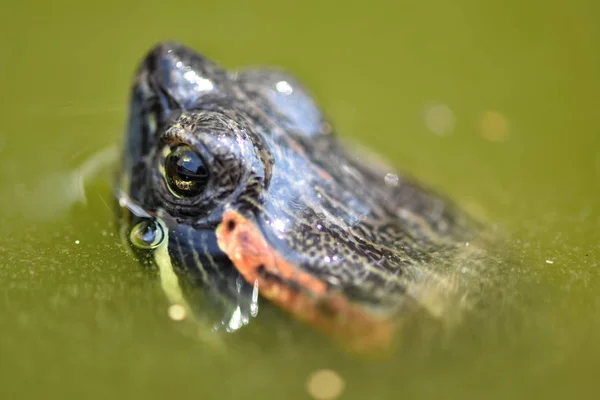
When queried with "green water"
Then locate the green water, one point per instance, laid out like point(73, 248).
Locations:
point(515, 88)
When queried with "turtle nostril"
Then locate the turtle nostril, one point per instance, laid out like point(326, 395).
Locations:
point(230, 225)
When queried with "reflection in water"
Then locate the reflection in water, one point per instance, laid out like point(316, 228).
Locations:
point(148, 234)
point(55, 193)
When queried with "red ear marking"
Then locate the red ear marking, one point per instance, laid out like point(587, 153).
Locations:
point(298, 292)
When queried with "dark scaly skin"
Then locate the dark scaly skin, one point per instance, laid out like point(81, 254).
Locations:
point(274, 158)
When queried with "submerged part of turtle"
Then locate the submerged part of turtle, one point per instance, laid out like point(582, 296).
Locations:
point(237, 183)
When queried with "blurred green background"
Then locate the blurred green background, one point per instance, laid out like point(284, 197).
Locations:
point(495, 103)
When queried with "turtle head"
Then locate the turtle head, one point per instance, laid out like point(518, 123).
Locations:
point(188, 155)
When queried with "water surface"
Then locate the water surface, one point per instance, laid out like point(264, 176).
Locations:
point(494, 103)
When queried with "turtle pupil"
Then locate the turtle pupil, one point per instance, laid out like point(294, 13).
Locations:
point(186, 172)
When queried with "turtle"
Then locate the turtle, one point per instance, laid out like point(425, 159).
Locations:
point(238, 183)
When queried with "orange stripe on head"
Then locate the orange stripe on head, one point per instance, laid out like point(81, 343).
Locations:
point(300, 293)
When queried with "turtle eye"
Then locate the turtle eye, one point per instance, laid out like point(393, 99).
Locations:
point(186, 172)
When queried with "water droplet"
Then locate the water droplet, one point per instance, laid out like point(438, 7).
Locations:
point(148, 234)
point(391, 179)
point(77, 242)
point(254, 302)
point(236, 321)
point(279, 224)
point(201, 84)
point(284, 88)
